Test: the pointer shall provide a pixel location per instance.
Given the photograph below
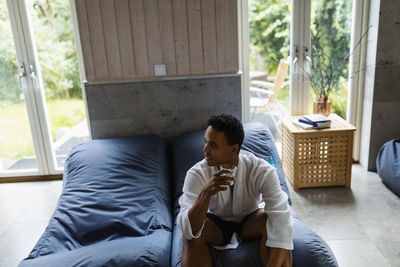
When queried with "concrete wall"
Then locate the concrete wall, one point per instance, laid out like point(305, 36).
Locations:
point(381, 111)
point(122, 40)
point(163, 107)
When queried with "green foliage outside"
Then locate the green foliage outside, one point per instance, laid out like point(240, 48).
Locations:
point(53, 32)
point(52, 26)
point(270, 38)
point(15, 135)
point(331, 35)
point(65, 113)
point(339, 98)
point(269, 23)
point(9, 89)
point(331, 31)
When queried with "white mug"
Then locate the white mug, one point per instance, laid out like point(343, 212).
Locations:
point(233, 173)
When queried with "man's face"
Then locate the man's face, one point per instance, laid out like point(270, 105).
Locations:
point(216, 149)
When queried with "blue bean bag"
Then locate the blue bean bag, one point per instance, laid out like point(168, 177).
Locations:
point(114, 209)
point(310, 250)
point(388, 165)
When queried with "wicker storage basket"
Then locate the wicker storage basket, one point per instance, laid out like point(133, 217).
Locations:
point(313, 158)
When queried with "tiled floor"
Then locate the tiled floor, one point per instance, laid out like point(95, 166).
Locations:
point(25, 209)
point(361, 224)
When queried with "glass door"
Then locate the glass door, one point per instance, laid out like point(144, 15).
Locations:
point(269, 30)
point(45, 65)
point(53, 38)
point(18, 151)
point(320, 42)
point(293, 31)
point(331, 22)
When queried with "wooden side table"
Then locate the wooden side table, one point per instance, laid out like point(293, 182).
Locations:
point(320, 157)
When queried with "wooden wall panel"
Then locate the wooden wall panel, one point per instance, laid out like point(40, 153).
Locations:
point(167, 35)
point(97, 39)
point(181, 37)
point(124, 39)
point(153, 33)
point(209, 36)
point(195, 37)
point(83, 25)
point(226, 32)
point(233, 56)
point(139, 38)
point(111, 39)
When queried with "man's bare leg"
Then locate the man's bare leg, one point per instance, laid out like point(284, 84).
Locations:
point(254, 228)
point(195, 251)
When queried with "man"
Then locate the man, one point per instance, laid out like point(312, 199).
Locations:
point(212, 208)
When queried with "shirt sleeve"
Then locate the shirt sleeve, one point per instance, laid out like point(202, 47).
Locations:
point(191, 189)
point(279, 222)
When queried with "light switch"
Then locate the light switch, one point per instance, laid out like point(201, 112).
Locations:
point(160, 70)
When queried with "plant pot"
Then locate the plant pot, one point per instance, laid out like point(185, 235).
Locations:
point(322, 106)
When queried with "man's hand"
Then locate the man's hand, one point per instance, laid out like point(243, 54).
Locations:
point(220, 181)
point(277, 257)
point(197, 213)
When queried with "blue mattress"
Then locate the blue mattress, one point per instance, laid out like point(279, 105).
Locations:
point(388, 165)
point(309, 248)
point(114, 209)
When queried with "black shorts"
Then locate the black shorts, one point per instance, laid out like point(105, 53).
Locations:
point(228, 228)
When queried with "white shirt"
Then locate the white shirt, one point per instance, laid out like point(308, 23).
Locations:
point(254, 178)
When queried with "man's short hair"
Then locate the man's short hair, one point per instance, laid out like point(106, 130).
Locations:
point(230, 126)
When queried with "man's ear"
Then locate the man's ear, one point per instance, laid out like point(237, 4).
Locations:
point(235, 148)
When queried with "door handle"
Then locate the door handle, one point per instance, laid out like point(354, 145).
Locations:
point(308, 62)
point(32, 73)
point(295, 60)
point(22, 75)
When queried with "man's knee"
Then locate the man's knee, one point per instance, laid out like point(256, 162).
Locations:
point(210, 235)
point(255, 226)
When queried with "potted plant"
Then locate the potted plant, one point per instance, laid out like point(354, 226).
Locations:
point(324, 75)
point(323, 78)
